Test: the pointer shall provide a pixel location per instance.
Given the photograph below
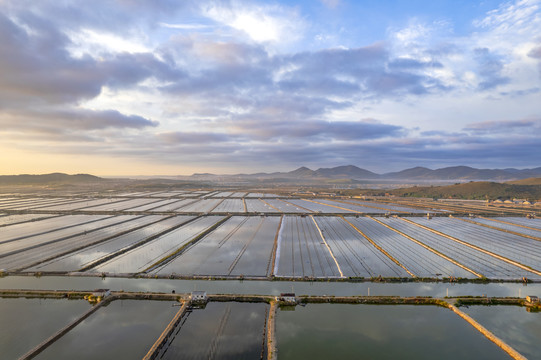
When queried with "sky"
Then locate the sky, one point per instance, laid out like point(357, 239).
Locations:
point(135, 87)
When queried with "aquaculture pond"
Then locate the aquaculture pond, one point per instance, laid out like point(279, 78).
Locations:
point(227, 330)
point(338, 331)
point(513, 324)
point(124, 329)
point(25, 323)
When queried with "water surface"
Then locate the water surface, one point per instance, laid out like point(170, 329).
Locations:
point(124, 329)
point(227, 330)
point(269, 287)
point(513, 324)
point(337, 331)
point(25, 323)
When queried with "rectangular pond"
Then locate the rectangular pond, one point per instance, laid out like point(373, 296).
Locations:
point(227, 330)
point(338, 331)
point(124, 329)
point(25, 323)
point(240, 246)
point(513, 324)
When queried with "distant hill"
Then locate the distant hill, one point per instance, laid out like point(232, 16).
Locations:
point(349, 171)
point(48, 179)
point(528, 181)
point(479, 190)
point(302, 172)
point(463, 173)
point(459, 173)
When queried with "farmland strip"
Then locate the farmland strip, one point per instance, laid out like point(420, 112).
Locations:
point(271, 205)
point(379, 247)
point(272, 260)
point(334, 206)
point(232, 266)
point(180, 250)
point(328, 247)
point(524, 267)
point(429, 248)
point(131, 247)
point(499, 229)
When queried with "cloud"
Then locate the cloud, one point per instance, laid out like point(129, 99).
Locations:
point(535, 53)
point(261, 23)
point(526, 126)
point(185, 26)
point(201, 138)
point(490, 69)
point(68, 121)
point(37, 67)
point(510, 16)
point(234, 82)
point(265, 129)
point(364, 71)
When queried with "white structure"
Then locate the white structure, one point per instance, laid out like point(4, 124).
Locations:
point(288, 298)
point(532, 299)
point(199, 296)
point(101, 293)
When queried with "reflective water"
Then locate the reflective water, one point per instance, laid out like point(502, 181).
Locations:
point(124, 329)
point(220, 331)
point(332, 331)
point(269, 287)
point(25, 323)
point(513, 324)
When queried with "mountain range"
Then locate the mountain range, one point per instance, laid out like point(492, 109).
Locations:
point(340, 173)
point(53, 178)
point(417, 173)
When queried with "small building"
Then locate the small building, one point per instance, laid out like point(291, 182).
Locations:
point(199, 296)
point(288, 298)
point(532, 299)
point(102, 293)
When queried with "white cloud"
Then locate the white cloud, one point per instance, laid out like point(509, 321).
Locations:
point(185, 26)
point(88, 41)
point(511, 16)
point(267, 23)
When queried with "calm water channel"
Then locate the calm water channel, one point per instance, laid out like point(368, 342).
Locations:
point(269, 287)
point(333, 331)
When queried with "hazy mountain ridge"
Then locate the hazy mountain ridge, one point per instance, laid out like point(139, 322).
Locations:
point(416, 173)
point(27, 179)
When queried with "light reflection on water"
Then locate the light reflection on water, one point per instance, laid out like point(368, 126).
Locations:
point(25, 323)
point(123, 329)
point(517, 328)
point(337, 331)
point(513, 324)
point(221, 331)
